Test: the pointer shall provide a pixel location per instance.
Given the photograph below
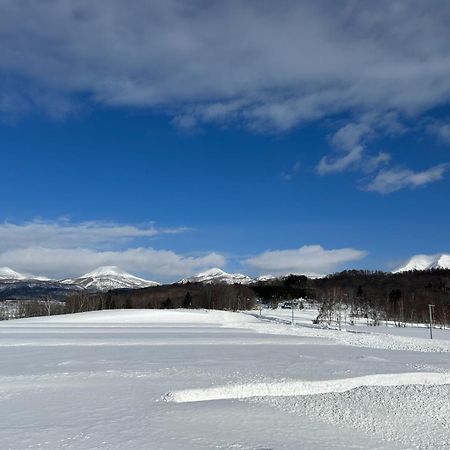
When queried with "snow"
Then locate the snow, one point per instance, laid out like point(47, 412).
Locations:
point(426, 262)
point(216, 275)
point(266, 277)
point(97, 380)
point(380, 337)
point(296, 388)
point(104, 271)
point(411, 415)
point(105, 278)
point(8, 274)
point(144, 316)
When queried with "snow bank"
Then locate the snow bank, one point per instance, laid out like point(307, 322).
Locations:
point(300, 388)
point(415, 417)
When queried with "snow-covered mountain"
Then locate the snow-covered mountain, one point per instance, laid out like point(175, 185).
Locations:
point(426, 262)
point(109, 277)
point(216, 275)
point(8, 274)
point(263, 278)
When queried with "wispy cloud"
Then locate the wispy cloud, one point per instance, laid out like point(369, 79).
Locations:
point(375, 162)
point(295, 169)
point(67, 234)
point(440, 130)
point(391, 180)
point(348, 141)
point(309, 259)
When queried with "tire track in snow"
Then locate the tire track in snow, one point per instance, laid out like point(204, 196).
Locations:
point(302, 388)
point(349, 337)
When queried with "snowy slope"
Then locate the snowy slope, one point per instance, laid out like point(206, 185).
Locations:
point(8, 274)
point(216, 275)
point(109, 277)
point(263, 278)
point(426, 262)
point(104, 375)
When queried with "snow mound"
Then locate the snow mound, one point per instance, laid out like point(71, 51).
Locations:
point(416, 417)
point(301, 388)
point(426, 262)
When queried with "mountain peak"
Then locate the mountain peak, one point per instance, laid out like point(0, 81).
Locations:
point(7, 273)
point(426, 262)
point(104, 271)
point(216, 275)
point(105, 278)
point(442, 262)
point(215, 271)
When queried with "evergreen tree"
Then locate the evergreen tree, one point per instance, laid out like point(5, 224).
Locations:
point(187, 302)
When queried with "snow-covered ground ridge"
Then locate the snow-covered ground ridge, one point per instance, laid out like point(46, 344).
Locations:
point(296, 388)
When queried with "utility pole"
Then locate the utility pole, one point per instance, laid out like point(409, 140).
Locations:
point(292, 310)
point(340, 309)
point(430, 309)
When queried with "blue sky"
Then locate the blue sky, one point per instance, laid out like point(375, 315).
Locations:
point(181, 154)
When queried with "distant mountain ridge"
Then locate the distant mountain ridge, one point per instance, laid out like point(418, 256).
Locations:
point(426, 262)
point(219, 276)
point(17, 285)
point(216, 275)
point(107, 278)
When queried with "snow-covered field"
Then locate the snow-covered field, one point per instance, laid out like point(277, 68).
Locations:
point(187, 379)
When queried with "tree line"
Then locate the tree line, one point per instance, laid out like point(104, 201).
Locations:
point(402, 297)
point(196, 295)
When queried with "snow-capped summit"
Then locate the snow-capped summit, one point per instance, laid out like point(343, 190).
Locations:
point(8, 274)
point(441, 262)
point(110, 277)
point(426, 262)
point(263, 278)
point(216, 276)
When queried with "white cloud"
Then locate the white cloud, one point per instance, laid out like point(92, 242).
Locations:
point(391, 180)
point(309, 259)
point(441, 130)
point(374, 162)
point(62, 249)
point(350, 136)
point(348, 140)
point(164, 265)
point(66, 234)
point(269, 64)
point(340, 163)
